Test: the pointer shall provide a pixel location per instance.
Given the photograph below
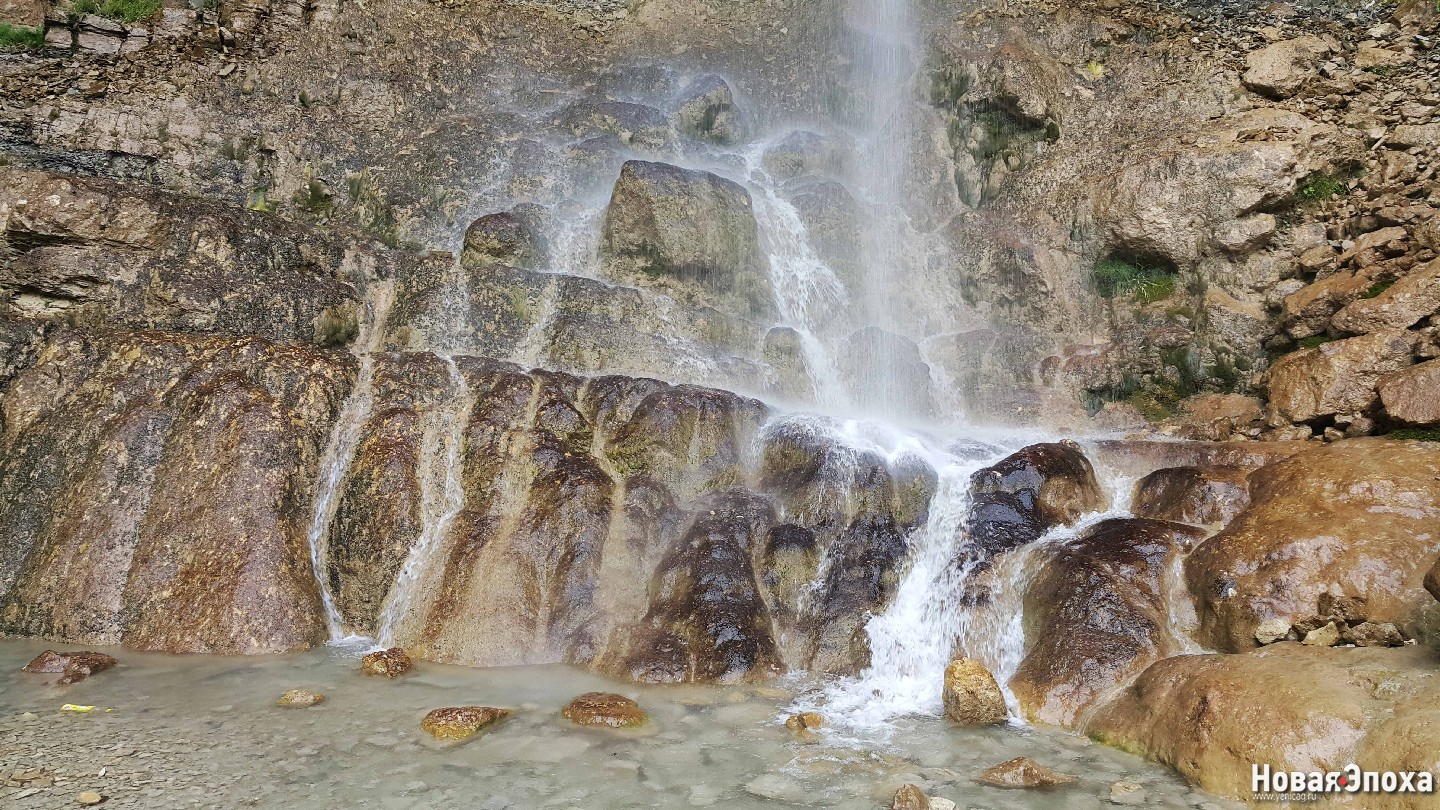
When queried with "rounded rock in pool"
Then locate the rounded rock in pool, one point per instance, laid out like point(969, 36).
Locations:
point(605, 709)
point(391, 663)
point(461, 722)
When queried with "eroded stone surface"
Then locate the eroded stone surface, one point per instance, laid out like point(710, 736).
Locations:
point(461, 722)
point(605, 709)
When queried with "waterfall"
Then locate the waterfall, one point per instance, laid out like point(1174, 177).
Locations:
point(442, 496)
point(340, 449)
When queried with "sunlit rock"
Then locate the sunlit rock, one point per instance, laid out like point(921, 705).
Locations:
point(971, 695)
point(1021, 497)
point(605, 709)
point(391, 663)
point(461, 722)
point(1023, 772)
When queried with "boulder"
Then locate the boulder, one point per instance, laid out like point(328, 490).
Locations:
point(1307, 311)
point(1409, 395)
point(1354, 518)
point(635, 125)
point(971, 695)
point(507, 238)
point(1200, 495)
point(802, 153)
point(1374, 634)
point(461, 722)
point(1432, 580)
point(1098, 612)
point(885, 373)
point(1296, 708)
point(910, 797)
point(1279, 70)
point(604, 709)
point(1217, 417)
point(1339, 377)
point(707, 111)
point(1411, 298)
point(1326, 636)
point(73, 667)
point(299, 699)
point(1023, 772)
point(391, 663)
point(672, 225)
point(1030, 492)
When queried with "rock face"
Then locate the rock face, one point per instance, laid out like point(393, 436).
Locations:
point(1023, 772)
point(1322, 520)
point(1098, 613)
point(707, 111)
point(73, 667)
point(1020, 498)
point(507, 238)
point(1409, 394)
point(191, 460)
point(1203, 496)
point(391, 663)
point(1296, 707)
point(461, 722)
point(605, 709)
point(680, 226)
point(971, 695)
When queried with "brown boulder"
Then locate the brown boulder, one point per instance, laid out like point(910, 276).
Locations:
point(805, 721)
point(1337, 377)
point(1409, 395)
point(1199, 495)
point(971, 695)
point(1216, 417)
point(391, 663)
point(461, 722)
point(1400, 306)
point(1023, 772)
point(1281, 69)
point(1029, 492)
point(1294, 707)
point(1355, 518)
point(1308, 311)
point(1097, 614)
point(604, 709)
point(75, 666)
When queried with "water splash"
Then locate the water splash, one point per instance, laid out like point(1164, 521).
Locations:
point(442, 496)
point(340, 450)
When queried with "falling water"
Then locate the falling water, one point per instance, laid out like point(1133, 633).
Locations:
point(340, 450)
point(442, 496)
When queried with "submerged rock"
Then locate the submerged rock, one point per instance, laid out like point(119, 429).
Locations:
point(971, 695)
point(605, 709)
point(390, 663)
point(805, 721)
point(299, 699)
point(1023, 772)
point(73, 667)
point(461, 722)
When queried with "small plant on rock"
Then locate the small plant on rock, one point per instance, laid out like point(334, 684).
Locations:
point(20, 37)
point(1116, 277)
point(1320, 187)
point(130, 11)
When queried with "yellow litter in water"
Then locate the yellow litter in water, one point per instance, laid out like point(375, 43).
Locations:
point(71, 707)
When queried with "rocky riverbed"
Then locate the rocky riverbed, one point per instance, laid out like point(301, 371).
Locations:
point(202, 731)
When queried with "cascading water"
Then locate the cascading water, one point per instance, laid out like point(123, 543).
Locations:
point(340, 450)
point(442, 497)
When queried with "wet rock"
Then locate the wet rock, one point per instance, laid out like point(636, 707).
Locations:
point(299, 699)
point(636, 125)
point(73, 666)
point(1322, 521)
point(1127, 794)
point(707, 111)
point(1327, 636)
point(507, 238)
point(886, 373)
point(604, 709)
point(910, 797)
point(1097, 614)
point(391, 663)
point(461, 722)
point(1217, 417)
point(1408, 395)
point(670, 225)
point(1023, 772)
point(803, 153)
point(832, 219)
point(1199, 495)
point(1339, 377)
point(707, 621)
point(971, 695)
point(805, 721)
point(1281, 69)
point(1028, 493)
point(193, 457)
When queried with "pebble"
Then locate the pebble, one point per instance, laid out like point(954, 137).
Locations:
point(88, 798)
